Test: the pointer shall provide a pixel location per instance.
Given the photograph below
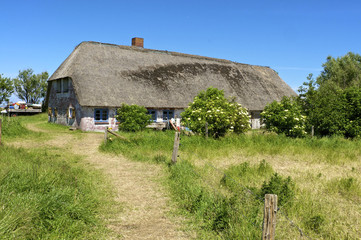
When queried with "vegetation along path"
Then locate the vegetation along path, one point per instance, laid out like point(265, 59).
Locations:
point(143, 212)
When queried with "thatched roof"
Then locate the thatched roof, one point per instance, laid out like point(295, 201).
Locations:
point(109, 75)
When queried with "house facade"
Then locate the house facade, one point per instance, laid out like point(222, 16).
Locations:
point(88, 87)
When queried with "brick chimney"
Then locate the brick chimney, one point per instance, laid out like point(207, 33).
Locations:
point(137, 42)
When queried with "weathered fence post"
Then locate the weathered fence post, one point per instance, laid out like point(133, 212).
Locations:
point(206, 126)
point(312, 131)
point(269, 220)
point(0, 130)
point(106, 135)
point(175, 147)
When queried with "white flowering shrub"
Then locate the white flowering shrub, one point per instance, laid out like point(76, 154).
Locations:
point(221, 114)
point(285, 117)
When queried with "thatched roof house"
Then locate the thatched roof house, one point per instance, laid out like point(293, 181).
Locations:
point(103, 76)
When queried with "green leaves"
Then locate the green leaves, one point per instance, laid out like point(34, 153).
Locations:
point(221, 114)
point(132, 118)
point(30, 87)
point(283, 187)
point(332, 102)
point(285, 117)
point(342, 72)
point(6, 88)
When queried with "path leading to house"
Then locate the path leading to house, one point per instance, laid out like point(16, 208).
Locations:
point(145, 205)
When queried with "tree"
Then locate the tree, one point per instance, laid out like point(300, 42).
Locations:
point(338, 113)
point(285, 117)
point(6, 88)
point(132, 118)
point(331, 102)
point(221, 114)
point(31, 87)
point(341, 72)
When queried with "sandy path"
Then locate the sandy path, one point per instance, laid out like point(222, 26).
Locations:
point(145, 205)
point(144, 200)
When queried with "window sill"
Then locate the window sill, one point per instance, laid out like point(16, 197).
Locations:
point(101, 123)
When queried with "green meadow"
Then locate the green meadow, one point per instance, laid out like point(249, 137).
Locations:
point(220, 183)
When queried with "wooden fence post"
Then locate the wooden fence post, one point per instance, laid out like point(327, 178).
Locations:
point(106, 135)
point(175, 147)
point(206, 126)
point(312, 131)
point(0, 130)
point(269, 220)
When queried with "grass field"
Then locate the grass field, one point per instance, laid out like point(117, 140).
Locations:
point(220, 183)
point(47, 193)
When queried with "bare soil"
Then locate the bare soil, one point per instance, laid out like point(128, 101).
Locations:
point(143, 208)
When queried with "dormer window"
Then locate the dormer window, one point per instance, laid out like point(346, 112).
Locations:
point(58, 86)
point(62, 85)
point(65, 85)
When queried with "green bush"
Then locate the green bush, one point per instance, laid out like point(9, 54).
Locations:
point(132, 118)
point(285, 117)
point(221, 114)
point(337, 112)
point(332, 102)
point(284, 188)
point(315, 223)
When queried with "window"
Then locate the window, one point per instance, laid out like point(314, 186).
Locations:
point(101, 115)
point(58, 86)
point(168, 114)
point(71, 112)
point(62, 85)
point(65, 85)
point(153, 114)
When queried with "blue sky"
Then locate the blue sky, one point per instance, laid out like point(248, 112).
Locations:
point(292, 37)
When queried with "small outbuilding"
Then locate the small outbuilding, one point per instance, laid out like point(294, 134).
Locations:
point(96, 78)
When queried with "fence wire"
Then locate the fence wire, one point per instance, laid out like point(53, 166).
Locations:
point(290, 221)
point(217, 192)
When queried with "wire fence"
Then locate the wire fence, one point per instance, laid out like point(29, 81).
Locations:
point(247, 192)
point(218, 192)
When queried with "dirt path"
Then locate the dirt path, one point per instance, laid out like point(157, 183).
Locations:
point(145, 203)
point(145, 208)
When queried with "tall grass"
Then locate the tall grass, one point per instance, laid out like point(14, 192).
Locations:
point(12, 127)
point(332, 150)
point(47, 196)
point(220, 205)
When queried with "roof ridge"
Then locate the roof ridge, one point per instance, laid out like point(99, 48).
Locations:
point(168, 52)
